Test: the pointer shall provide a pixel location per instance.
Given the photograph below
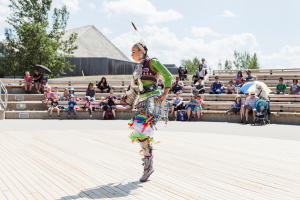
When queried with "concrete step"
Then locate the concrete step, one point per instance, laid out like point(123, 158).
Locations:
point(2, 114)
point(208, 115)
point(26, 105)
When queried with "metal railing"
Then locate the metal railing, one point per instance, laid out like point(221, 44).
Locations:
point(3, 91)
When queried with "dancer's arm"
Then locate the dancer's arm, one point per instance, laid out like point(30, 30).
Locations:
point(160, 68)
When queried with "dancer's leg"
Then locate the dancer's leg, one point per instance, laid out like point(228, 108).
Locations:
point(148, 159)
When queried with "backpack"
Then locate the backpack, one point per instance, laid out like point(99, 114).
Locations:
point(181, 116)
point(108, 114)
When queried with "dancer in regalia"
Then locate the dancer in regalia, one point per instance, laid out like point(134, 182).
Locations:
point(151, 106)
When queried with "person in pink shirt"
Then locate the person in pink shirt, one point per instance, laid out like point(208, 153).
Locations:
point(48, 95)
point(27, 82)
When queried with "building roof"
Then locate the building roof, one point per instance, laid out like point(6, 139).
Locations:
point(92, 43)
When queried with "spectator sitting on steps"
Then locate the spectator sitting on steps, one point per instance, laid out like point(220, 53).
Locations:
point(177, 86)
point(200, 87)
point(37, 80)
point(280, 87)
point(44, 83)
point(230, 88)
point(90, 92)
point(72, 103)
point(48, 95)
point(27, 83)
point(250, 106)
point(242, 112)
point(103, 86)
point(249, 77)
point(177, 105)
point(216, 87)
point(295, 87)
point(123, 105)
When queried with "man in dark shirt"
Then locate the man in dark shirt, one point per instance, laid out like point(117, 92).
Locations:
point(37, 80)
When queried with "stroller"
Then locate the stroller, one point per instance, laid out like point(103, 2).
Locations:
point(261, 115)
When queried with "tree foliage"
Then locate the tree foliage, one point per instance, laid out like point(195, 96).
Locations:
point(191, 65)
point(33, 38)
point(242, 60)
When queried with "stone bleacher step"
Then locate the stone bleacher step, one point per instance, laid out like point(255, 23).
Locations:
point(209, 115)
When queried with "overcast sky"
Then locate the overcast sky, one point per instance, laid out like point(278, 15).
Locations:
point(177, 29)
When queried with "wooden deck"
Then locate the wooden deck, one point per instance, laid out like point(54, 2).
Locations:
point(66, 160)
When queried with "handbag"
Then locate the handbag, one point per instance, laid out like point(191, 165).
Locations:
point(131, 95)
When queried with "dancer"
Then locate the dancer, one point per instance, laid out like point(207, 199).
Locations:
point(152, 104)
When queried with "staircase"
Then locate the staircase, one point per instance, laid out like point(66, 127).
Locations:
point(3, 100)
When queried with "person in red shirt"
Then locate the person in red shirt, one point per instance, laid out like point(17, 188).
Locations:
point(27, 82)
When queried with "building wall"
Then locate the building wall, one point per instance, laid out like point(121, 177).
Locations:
point(103, 66)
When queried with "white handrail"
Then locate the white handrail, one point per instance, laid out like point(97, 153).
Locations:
point(3, 103)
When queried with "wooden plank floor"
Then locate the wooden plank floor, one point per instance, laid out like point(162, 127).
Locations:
point(66, 160)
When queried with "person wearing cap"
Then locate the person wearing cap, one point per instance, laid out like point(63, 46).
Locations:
point(250, 106)
point(249, 77)
point(243, 100)
point(44, 83)
point(145, 77)
point(72, 103)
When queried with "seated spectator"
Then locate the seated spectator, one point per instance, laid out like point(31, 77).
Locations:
point(280, 87)
point(177, 105)
point(236, 107)
point(65, 96)
point(216, 87)
point(72, 103)
point(56, 93)
point(200, 87)
point(37, 80)
point(54, 106)
point(177, 86)
point(71, 92)
point(103, 104)
point(44, 83)
point(103, 86)
point(239, 79)
point(295, 87)
point(182, 71)
point(48, 95)
point(250, 106)
point(160, 84)
point(201, 72)
point(90, 92)
point(88, 106)
point(123, 105)
point(249, 77)
point(230, 87)
point(27, 83)
point(194, 106)
point(261, 94)
point(111, 102)
point(242, 112)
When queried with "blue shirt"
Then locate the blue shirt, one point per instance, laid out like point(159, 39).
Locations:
point(72, 104)
point(248, 78)
point(217, 85)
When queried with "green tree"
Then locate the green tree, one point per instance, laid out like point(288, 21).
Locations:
point(227, 65)
point(253, 62)
point(244, 60)
point(191, 65)
point(32, 39)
